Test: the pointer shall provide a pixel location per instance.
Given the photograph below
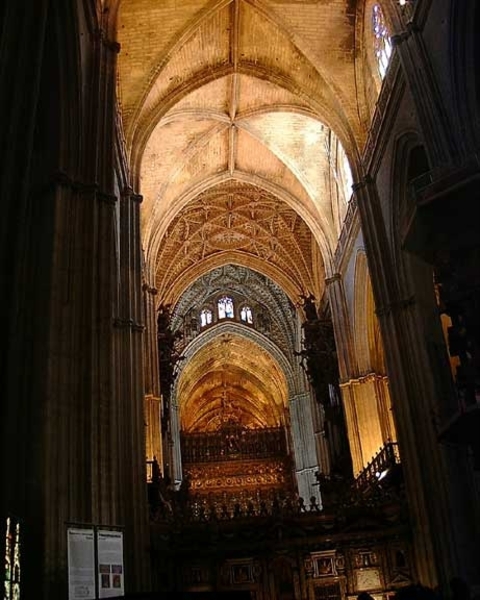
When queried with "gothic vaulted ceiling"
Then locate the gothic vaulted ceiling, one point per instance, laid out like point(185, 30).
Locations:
point(236, 113)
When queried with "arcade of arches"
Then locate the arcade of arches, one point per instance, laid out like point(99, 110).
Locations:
point(240, 263)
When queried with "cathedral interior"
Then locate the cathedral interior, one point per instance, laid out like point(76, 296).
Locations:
point(240, 269)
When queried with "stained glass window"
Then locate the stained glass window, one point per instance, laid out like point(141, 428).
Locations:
point(382, 43)
point(246, 315)
point(225, 308)
point(12, 560)
point(206, 317)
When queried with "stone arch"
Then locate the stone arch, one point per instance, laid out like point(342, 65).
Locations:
point(415, 276)
point(410, 163)
point(236, 258)
point(292, 373)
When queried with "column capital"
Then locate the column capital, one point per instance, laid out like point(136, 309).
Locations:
point(149, 289)
point(104, 198)
point(395, 306)
point(106, 42)
point(131, 195)
point(65, 180)
point(335, 277)
point(399, 38)
point(364, 182)
point(128, 323)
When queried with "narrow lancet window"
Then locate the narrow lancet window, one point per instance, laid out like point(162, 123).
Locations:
point(225, 308)
point(246, 315)
point(382, 42)
point(206, 317)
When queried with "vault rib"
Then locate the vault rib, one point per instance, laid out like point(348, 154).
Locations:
point(234, 88)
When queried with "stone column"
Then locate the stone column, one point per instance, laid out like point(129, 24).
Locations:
point(176, 469)
point(341, 327)
point(130, 325)
point(321, 442)
point(426, 478)
point(306, 463)
point(152, 381)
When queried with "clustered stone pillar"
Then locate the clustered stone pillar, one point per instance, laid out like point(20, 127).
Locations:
point(366, 397)
point(153, 405)
point(72, 428)
point(306, 463)
point(129, 364)
point(433, 520)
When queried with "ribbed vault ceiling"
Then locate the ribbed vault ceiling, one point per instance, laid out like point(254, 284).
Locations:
point(233, 111)
point(243, 221)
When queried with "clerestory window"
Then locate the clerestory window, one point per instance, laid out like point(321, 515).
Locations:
point(206, 317)
point(225, 308)
point(382, 42)
point(246, 315)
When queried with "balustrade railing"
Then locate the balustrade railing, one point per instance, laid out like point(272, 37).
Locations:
point(230, 507)
point(380, 466)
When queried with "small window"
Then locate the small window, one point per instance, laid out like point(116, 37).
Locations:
point(382, 42)
point(206, 317)
point(246, 315)
point(225, 308)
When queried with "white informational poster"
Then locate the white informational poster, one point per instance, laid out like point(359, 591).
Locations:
point(81, 564)
point(110, 563)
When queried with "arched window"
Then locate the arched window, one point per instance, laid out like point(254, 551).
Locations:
point(246, 315)
point(345, 172)
point(382, 43)
point(206, 317)
point(225, 308)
